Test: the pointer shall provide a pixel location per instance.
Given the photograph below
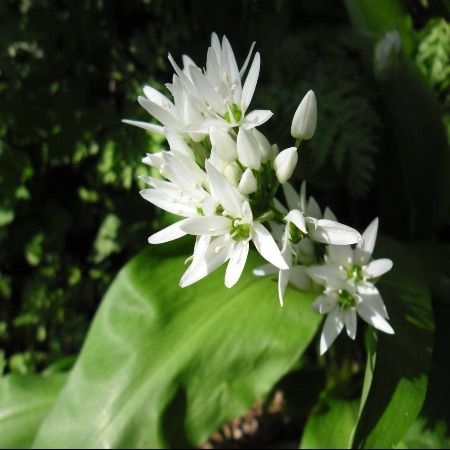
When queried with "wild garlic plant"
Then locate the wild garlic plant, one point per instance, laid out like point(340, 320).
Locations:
point(222, 177)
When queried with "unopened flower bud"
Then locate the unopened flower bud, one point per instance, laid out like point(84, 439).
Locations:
point(248, 183)
point(232, 173)
point(248, 150)
point(285, 163)
point(264, 146)
point(305, 118)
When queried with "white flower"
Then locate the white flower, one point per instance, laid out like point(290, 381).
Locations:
point(348, 279)
point(215, 96)
point(306, 217)
point(221, 88)
point(213, 210)
point(181, 192)
point(342, 301)
point(305, 118)
point(355, 264)
point(229, 234)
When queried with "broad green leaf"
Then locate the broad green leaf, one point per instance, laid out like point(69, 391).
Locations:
point(397, 375)
point(166, 367)
point(24, 402)
point(331, 425)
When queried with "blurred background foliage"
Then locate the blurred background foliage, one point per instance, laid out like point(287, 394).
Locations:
point(70, 213)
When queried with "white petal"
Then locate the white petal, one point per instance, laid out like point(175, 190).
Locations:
point(217, 253)
point(324, 304)
point(236, 264)
point(292, 197)
point(296, 217)
point(209, 225)
point(157, 183)
point(228, 54)
point(328, 214)
point(256, 118)
point(247, 213)
point(267, 247)
point(322, 274)
point(300, 278)
point(185, 155)
point(247, 60)
point(248, 150)
point(374, 318)
point(207, 91)
point(378, 267)
point(371, 295)
point(177, 144)
point(175, 170)
point(165, 117)
point(302, 200)
point(203, 126)
point(332, 328)
point(283, 280)
point(164, 200)
point(154, 159)
point(169, 233)
point(265, 270)
point(186, 82)
point(350, 319)
point(200, 248)
point(156, 97)
point(279, 206)
point(224, 144)
point(313, 208)
point(250, 82)
point(226, 195)
point(370, 237)
point(215, 45)
point(146, 126)
point(330, 232)
point(264, 146)
point(340, 254)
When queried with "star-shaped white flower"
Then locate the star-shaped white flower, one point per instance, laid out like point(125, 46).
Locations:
point(348, 278)
point(229, 233)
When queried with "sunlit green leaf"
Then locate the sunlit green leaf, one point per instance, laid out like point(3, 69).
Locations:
point(165, 367)
point(397, 372)
point(24, 402)
point(331, 425)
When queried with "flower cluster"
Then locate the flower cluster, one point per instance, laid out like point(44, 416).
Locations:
point(221, 175)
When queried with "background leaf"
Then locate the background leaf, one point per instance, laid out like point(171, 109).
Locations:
point(24, 402)
point(399, 376)
point(414, 130)
point(331, 425)
point(165, 367)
